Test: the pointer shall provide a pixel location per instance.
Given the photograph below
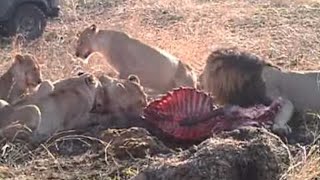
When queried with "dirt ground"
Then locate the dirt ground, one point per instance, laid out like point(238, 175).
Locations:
point(285, 32)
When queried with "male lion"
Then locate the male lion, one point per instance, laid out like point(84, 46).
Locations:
point(239, 78)
point(121, 96)
point(234, 77)
point(156, 68)
point(65, 107)
point(23, 75)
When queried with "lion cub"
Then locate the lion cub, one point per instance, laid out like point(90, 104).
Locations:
point(157, 69)
point(23, 75)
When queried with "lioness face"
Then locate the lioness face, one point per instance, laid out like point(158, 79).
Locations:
point(124, 96)
point(85, 42)
point(26, 71)
point(132, 98)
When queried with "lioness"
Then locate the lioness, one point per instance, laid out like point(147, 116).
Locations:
point(23, 75)
point(124, 96)
point(238, 77)
point(45, 88)
point(66, 108)
point(156, 68)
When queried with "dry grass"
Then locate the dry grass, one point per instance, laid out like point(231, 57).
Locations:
point(306, 165)
point(285, 32)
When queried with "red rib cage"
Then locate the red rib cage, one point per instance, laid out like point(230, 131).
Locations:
point(183, 114)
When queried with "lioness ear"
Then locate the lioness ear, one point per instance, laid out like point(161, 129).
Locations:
point(134, 78)
point(121, 86)
point(93, 27)
point(80, 73)
point(181, 71)
point(18, 58)
point(90, 80)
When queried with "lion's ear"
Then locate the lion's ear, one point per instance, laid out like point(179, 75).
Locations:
point(80, 73)
point(78, 34)
point(121, 86)
point(134, 78)
point(93, 27)
point(181, 69)
point(90, 79)
point(18, 58)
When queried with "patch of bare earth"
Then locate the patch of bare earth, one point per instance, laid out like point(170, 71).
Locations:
point(285, 32)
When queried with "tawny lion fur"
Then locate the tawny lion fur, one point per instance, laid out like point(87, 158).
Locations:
point(121, 96)
point(240, 78)
point(46, 87)
point(13, 120)
point(23, 75)
point(43, 89)
point(66, 107)
point(157, 69)
point(234, 77)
